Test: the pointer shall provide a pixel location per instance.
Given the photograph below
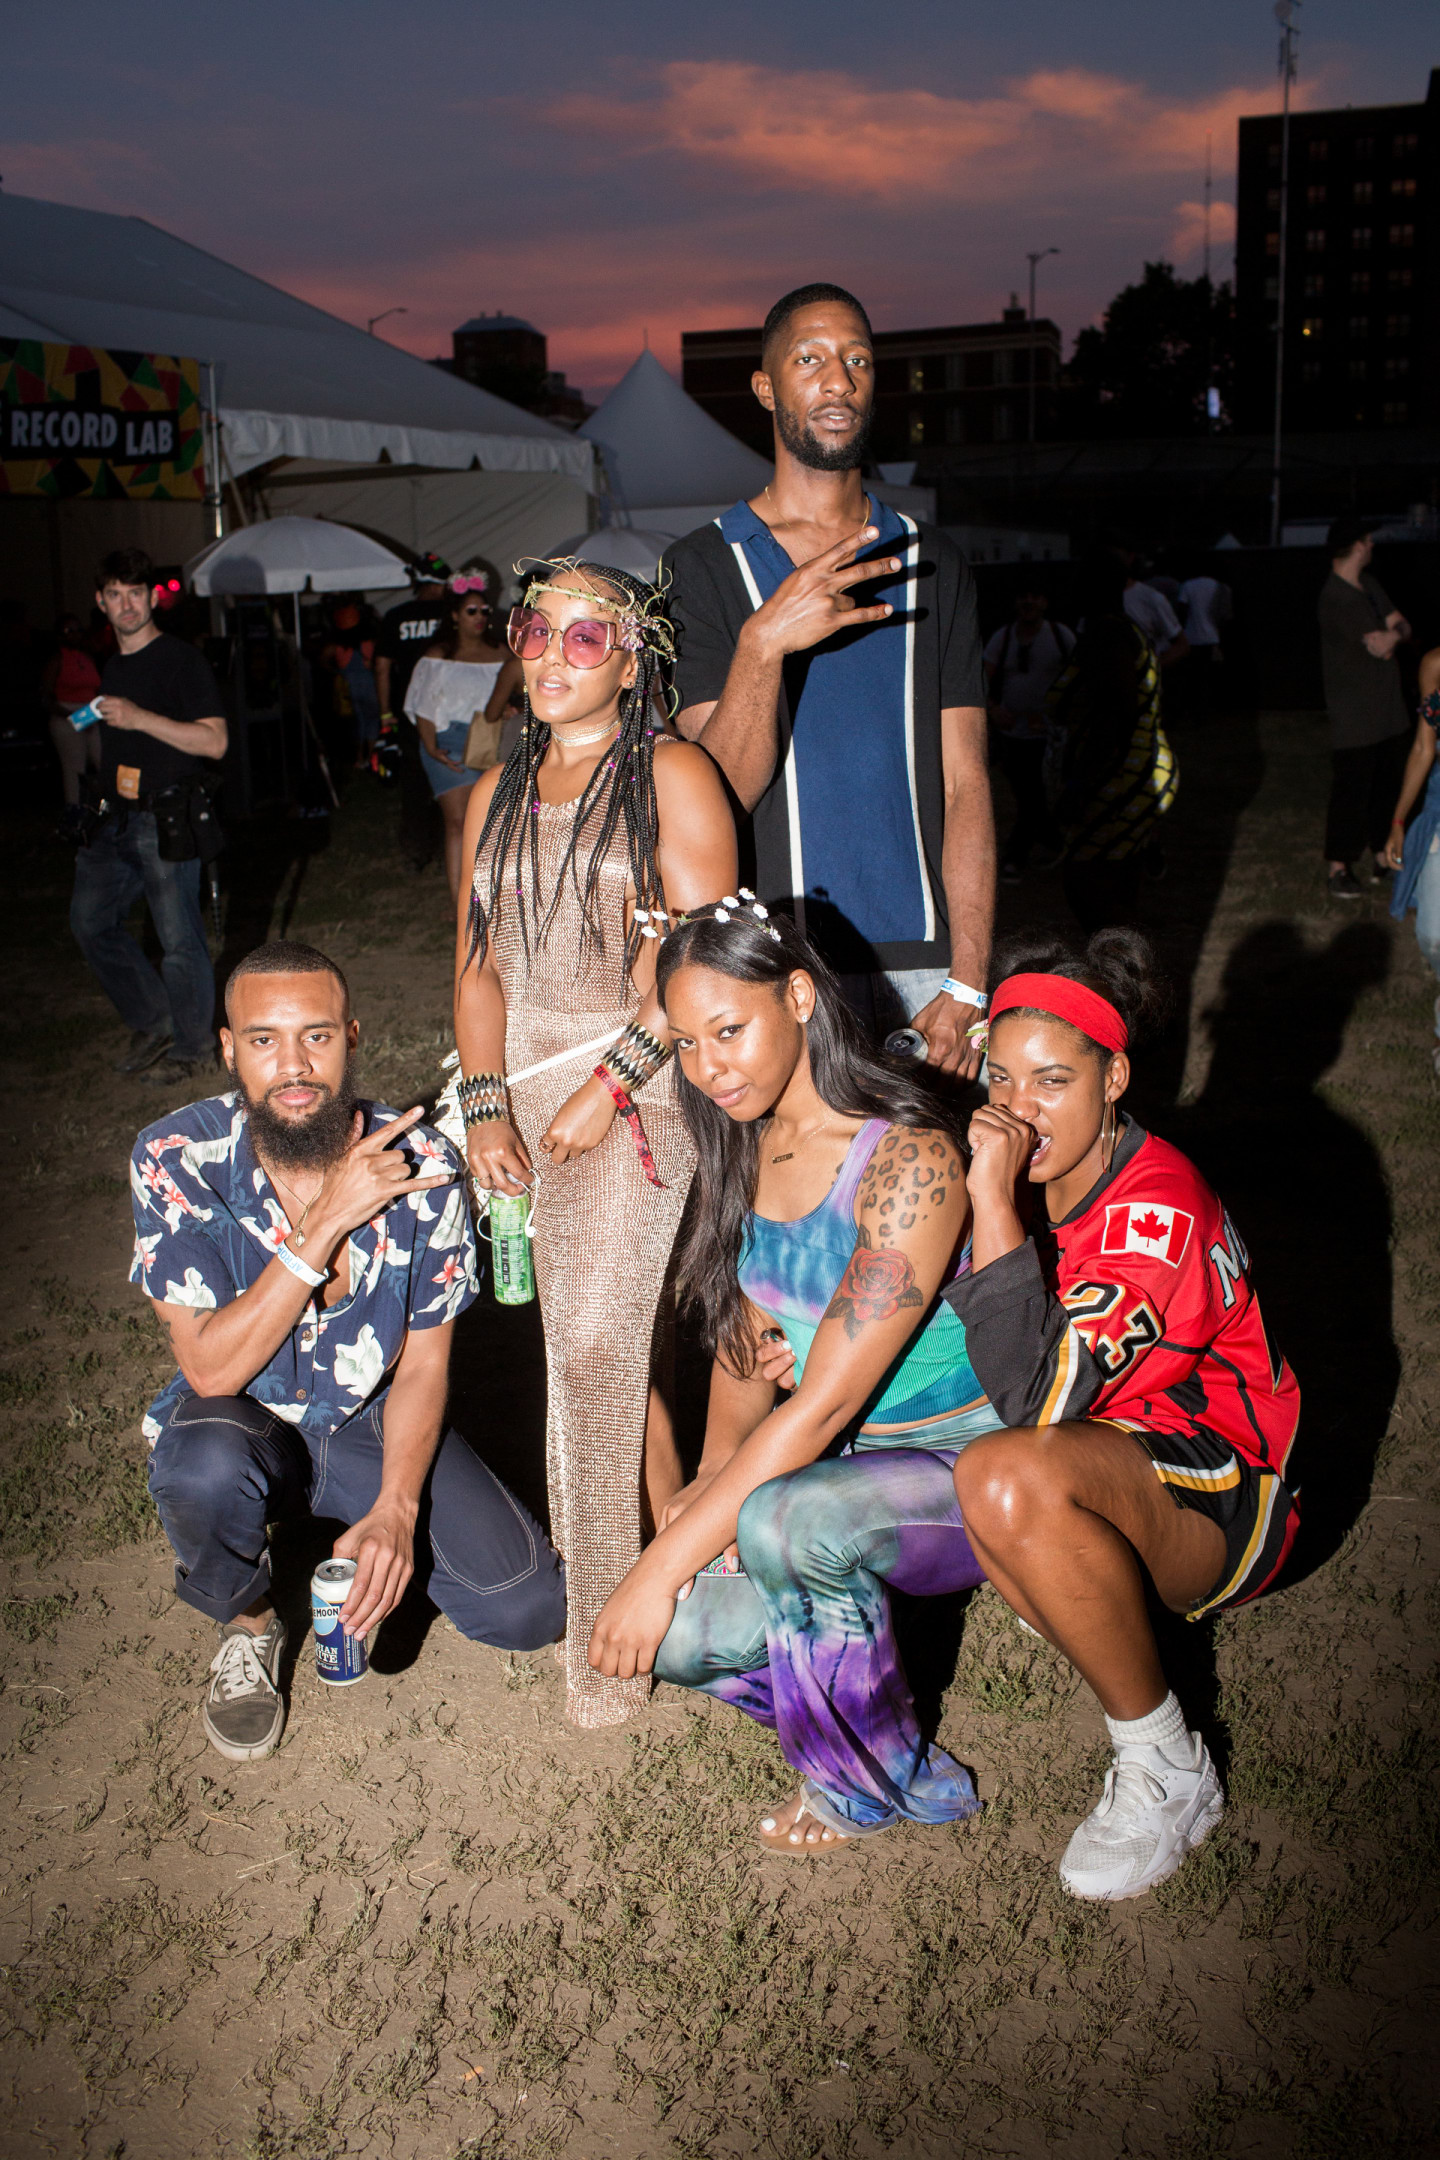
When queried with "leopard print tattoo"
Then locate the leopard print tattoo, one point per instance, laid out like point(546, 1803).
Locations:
point(909, 1175)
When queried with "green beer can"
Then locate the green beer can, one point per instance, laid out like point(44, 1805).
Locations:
point(510, 1255)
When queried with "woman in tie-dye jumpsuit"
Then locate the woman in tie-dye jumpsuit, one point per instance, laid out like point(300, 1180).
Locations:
point(831, 1210)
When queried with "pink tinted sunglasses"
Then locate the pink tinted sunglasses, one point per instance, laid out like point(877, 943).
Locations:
point(584, 644)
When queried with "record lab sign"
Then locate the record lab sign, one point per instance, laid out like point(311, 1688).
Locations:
point(80, 420)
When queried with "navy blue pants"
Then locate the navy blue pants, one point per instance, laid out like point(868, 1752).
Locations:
point(223, 1468)
point(122, 861)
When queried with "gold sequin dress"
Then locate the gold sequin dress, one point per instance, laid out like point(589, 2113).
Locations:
point(603, 1235)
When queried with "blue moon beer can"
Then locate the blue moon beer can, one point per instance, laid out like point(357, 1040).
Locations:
point(340, 1659)
point(83, 716)
point(510, 1255)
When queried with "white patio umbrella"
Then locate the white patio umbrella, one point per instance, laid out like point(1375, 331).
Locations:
point(287, 555)
point(291, 554)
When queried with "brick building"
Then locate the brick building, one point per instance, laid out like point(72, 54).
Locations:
point(1362, 269)
point(969, 383)
point(509, 357)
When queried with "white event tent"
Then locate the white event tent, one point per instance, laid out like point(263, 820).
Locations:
point(291, 381)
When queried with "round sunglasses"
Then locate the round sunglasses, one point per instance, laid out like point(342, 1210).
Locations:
point(584, 644)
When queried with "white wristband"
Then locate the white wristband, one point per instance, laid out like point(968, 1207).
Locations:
point(298, 1267)
point(963, 994)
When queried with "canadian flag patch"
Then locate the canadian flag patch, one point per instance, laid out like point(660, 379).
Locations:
point(1145, 1226)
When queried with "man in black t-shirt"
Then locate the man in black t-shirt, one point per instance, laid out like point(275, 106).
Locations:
point(404, 634)
point(1369, 723)
point(161, 723)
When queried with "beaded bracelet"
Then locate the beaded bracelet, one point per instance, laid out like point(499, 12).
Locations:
point(637, 1056)
point(631, 1116)
point(482, 1099)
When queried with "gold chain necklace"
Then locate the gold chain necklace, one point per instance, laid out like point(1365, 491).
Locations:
point(789, 1155)
point(297, 1235)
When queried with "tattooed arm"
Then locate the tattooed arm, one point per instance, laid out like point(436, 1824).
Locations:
point(910, 1215)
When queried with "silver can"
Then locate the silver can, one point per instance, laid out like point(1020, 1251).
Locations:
point(340, 1659)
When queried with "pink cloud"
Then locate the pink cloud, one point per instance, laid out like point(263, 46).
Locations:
point(831, 133)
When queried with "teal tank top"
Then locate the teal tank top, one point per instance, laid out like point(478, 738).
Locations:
point(930, 1395)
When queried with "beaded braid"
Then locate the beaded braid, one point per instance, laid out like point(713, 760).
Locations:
point(622, 786)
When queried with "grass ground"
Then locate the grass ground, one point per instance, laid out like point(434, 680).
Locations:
point(440, 1923)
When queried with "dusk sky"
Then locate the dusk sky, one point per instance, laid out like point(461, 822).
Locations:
point(612, 170)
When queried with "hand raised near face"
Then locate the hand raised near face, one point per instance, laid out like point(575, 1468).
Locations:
point(371, 1174)
point(1001, 1145)
point(815, 601)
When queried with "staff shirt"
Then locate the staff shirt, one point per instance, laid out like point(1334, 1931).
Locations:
point(848, 834)
point(208, 1223)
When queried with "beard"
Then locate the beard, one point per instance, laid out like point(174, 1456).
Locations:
point(808, 449)
point(312, 1142)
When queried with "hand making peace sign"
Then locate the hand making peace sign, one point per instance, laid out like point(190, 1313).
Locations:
point(814, 601)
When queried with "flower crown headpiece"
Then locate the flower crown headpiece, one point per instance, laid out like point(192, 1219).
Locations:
point(470, 581)
point(644, 625)
point(746, 904)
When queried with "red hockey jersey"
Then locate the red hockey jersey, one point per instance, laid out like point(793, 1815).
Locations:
point(1136, 1308)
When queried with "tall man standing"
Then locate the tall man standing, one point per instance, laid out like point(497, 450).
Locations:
point(162, 725)
point(830, 663)
point(1369, 725)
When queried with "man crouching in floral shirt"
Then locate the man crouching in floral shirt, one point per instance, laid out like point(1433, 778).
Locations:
point(308, 1253)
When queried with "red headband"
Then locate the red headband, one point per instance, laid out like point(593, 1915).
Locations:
point(1085, 1009)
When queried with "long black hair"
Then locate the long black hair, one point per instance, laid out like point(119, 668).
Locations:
point(849, 1075)
point(1118, 963)
point(621, 789)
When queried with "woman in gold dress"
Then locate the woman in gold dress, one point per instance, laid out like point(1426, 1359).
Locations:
point(598, 829)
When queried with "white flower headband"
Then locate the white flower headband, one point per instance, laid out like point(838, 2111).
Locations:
point(730, 907)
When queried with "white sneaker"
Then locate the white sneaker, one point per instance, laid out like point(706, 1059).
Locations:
point(1150, 1815)
point(244, 1713)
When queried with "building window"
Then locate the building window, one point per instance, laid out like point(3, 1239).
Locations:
point(1311, 327)
point(1272, 243)
point(1004, 421)
point(955, 378)
point(1403, 187)
point(1272, 199)
point(915, 376)
point(1359, 326)
point(1402, 236)
point(1310, 372)
point(1360, 237)
point(917, 430)
point(1395, 412)
point(1272, 156)
point(954, 423)
point(1315, 240)
point(1364, 192)
point(1400, 280)
point(1359, 284)
point(1315, 286)
point(1319, 150)
point(1002, 369)
point(1364, 146)
point(1315, 198)
point(1397, 326)
point(1406, 145)
point(1357, 371)
point(1394, 369)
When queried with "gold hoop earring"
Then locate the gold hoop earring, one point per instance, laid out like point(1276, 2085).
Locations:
point(1109, 1133)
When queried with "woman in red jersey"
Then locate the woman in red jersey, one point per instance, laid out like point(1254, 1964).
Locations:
point(1110, 1319)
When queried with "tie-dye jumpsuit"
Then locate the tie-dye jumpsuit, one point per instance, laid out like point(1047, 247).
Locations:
point(802, 1640)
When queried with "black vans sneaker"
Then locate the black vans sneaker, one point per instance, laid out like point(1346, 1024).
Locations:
point(244, 1712)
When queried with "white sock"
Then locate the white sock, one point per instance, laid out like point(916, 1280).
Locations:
point(1164, 1727)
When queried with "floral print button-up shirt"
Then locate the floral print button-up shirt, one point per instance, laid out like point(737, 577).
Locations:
point(207, 1224)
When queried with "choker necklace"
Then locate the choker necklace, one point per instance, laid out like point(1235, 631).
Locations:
point(578, 742)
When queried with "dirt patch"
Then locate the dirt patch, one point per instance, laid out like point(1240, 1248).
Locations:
point(440, 1923)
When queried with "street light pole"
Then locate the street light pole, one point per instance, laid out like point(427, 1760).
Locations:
point(1037, 257)
point(1289, 32)
point(373, 319)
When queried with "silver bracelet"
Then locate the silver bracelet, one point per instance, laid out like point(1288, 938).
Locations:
point(301, 1269)
point(963, 994)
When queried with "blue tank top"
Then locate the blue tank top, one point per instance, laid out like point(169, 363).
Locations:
point(793, 1269)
